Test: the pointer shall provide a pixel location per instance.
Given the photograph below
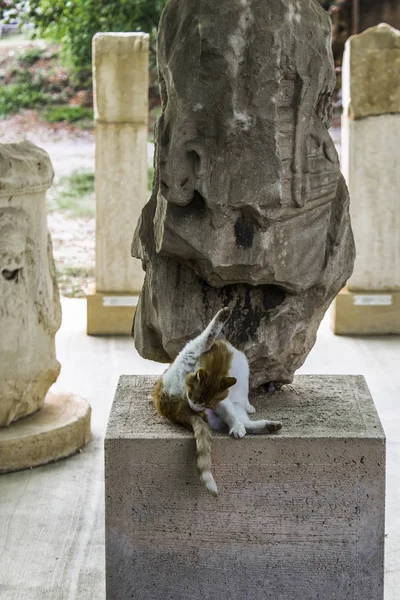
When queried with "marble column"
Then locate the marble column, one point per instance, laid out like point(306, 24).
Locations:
point(36, 426)
point(120, 75)
point(371, 165)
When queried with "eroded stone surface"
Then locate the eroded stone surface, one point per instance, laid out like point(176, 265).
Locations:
point(248, 207)
point(371, 73)
point(30, 312)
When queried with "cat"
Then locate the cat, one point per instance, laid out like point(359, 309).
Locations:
point(208, 385)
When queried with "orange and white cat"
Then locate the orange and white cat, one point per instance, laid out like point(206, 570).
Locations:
point(208, 385)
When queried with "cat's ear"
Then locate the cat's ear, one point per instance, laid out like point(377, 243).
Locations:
point(201, 375)
point(227, 382)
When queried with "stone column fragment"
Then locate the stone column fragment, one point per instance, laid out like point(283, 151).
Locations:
point(120, 75)
point(30, 312)
point(54, 426)
point(371, 166)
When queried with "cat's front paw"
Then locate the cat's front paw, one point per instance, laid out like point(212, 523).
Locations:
point(250, 409)
point(272, 426)
point(238, 430)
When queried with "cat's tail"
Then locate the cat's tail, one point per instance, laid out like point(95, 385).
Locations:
point(203, 437)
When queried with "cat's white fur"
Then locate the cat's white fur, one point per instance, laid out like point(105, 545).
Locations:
point(233, 411)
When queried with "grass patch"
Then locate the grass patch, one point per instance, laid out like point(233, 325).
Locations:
point(68, 114)
point(16, 38)
point(34, 77)
point(73, 280)
point(30, 56)
point(82, 182)
point(15, 96)
point(74, 195)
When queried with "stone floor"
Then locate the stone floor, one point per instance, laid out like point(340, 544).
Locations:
point(51, 518)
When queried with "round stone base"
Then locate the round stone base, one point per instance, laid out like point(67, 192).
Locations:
point(60, 428)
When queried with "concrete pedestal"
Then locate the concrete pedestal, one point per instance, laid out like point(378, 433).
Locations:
point(110, 313)
point(363, 312)
point(300, 514)
point(60, 428)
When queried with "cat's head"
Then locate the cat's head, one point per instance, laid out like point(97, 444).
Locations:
point(205, 389)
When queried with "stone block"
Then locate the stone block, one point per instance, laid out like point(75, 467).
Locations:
point(371, 168)
point(300, 514)
point(366, 313)
point(371, 73)
point(121, 77)
point(120, 74)
point(109, 313)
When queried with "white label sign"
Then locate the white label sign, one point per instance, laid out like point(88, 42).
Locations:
point(372, 300)
point(120, 300)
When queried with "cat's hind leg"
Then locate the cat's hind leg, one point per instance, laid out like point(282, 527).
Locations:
point(262, 426)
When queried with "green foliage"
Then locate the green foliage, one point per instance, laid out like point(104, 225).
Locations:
point(69, 114)
point(74, 195)
point(28, 57)
point(13, 97)
point(82, 182)
point(76, 21)
point(42, 84)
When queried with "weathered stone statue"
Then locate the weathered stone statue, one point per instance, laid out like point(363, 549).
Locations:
point(30, 311)
point(249, 208)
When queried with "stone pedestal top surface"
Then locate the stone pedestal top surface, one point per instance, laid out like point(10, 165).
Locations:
point(317, 406)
